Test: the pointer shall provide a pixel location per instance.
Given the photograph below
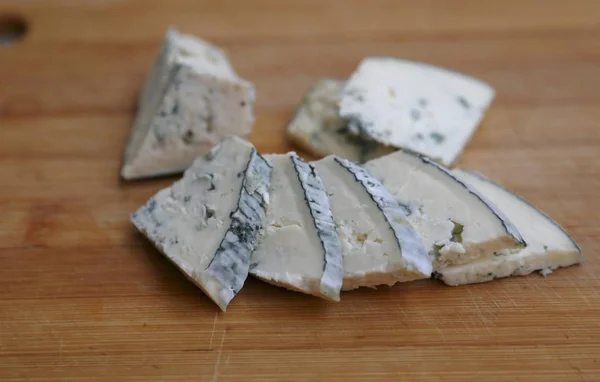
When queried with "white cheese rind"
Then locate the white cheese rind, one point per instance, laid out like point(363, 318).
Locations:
point(415, 106)
point(455, 222)
point(548, 244)
point(378, 244)
point(300, 249)
point(318, 127)
point(208, 222)
point(191, 100)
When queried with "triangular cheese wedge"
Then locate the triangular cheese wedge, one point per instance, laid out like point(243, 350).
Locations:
point(300, 249)
point(455, 222)
point(415, 106)
point(191, 100)
point(318, 128)
point(378, 243)
point(548, 244)
point(208, 222)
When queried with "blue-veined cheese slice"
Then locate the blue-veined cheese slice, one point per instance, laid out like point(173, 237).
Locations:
point(379, 245)
point(456, 223)
point(208, 222)
point(318, 128)
point(299, 249)
point(548, 244)
point(191, 99)
point(415, 106)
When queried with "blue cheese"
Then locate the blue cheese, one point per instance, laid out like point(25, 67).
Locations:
point(191, 100)
point(208, 222)
point(300, 249)
point(415, 106)
point(456, 223)
point(379, 245)
point(548, 244)
point(318, 127)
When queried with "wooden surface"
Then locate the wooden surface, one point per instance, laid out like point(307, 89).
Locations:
point(83, 296)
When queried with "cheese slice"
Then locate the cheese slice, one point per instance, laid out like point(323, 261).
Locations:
point(208, 222)
point(416, 106)
point(548, 244)
point(190, 101)
point(300, 249)
point(378, 243)
point(455, 222)
point(318, 128)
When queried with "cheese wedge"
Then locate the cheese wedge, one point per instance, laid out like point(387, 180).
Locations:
point(548, 244)
point(415, 106)
point(318, 128)
point(378, 243)
point(190, 101)
point(455, 222)
point(299, 249)
point(208, 222)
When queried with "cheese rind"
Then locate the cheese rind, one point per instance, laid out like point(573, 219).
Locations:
point(548, 244)
point(318, 127)
point(455, 222)
point(378, 244)
point(208, 222)
point(190, 101)
point(300, 249)
point(415, 106)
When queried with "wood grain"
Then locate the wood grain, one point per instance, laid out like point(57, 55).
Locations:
point(84, 297)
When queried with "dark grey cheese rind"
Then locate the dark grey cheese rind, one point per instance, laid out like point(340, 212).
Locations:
point(318, 204)
point(235, 251)
point(208, 222)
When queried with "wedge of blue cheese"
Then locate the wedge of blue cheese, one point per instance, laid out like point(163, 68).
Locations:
point(318, 128)
point(456, 223)
point(208, 222)
point(191, 100)
point(548, 245)
point(299, 248)
point(379, 245)
point(415, 106)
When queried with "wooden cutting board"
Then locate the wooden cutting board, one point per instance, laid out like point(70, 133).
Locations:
point(83, 296)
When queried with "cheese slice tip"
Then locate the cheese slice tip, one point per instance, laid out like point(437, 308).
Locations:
point(548, 245)
point(191, 99)
point(299, 249)
point(415, 106)
point(456, 223)
point(208, 222)
point(379, 245)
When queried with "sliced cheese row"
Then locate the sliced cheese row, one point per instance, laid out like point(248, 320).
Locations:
point(333, 225)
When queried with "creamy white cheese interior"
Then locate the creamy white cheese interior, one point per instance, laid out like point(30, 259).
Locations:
point(415, 106)
point(191, 100)
point(378, 244)
point(208, 222)
point(293, 250)
point(548, 245)
point(455, 223)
